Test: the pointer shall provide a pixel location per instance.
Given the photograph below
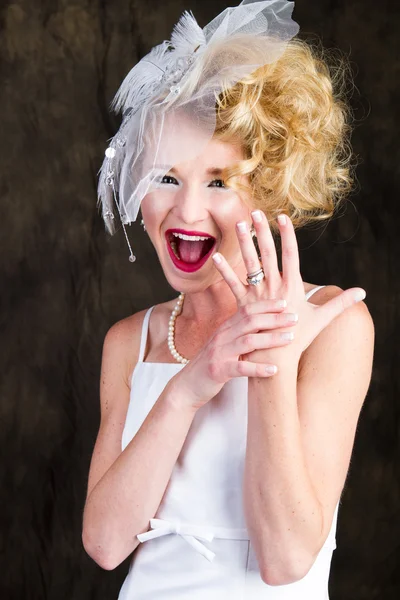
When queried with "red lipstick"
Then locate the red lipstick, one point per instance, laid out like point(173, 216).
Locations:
point(180, 264)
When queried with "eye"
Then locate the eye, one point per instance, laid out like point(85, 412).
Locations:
point(169, 179)
point(218, 183)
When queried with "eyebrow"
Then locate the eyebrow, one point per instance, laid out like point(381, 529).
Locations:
point(214, 171)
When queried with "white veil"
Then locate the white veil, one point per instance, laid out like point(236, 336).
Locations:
point(178, 79)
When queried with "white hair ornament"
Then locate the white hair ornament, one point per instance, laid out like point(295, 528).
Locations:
point(176, 83)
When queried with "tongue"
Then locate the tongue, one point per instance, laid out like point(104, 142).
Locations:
point(191, 252)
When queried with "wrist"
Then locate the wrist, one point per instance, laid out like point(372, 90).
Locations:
point(179, 398)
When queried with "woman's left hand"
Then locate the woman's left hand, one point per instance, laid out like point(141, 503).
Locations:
point(287, 285)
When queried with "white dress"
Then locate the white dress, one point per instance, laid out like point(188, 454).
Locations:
point(197, 546)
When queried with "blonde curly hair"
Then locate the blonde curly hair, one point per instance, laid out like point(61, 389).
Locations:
point(293, 121)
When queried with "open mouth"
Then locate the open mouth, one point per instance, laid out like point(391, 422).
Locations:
point(189, 252)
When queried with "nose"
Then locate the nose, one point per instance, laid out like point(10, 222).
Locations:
point(190, 206)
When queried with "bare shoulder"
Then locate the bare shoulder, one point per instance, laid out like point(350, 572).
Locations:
point(122, 342)
point(353, 327)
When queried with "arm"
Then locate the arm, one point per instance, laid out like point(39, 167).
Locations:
point(126, 488)
point(301, 431)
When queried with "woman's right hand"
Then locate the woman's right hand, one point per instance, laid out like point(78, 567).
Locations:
point(220, 359)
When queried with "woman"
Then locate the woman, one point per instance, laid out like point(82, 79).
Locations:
point(228, 416)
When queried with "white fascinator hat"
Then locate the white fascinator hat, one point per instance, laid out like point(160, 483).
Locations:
point(178, 80)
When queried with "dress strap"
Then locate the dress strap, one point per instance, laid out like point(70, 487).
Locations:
point(143, 337)
point(311, 292)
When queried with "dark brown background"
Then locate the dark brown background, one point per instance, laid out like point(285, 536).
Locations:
point(64, 282)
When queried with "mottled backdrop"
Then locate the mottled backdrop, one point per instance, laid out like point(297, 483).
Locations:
point(64, 282)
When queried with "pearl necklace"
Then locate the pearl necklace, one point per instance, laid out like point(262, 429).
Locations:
point(171, 330)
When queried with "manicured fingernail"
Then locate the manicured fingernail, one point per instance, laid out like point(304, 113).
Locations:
point(257, 217)
point(282, 219)
point(217, 258)
point(271, 369)
point(359, 295)
point(281, 303)
point(292, 317)
point(242, 226)
point(288, 335)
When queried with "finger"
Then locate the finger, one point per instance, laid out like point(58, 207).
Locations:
point(254, 308)
point(237, 287)
point(290, 250)
point(267, 248)
point(245, 368)
point(259, 323)
point(265, 322)
point(247, 248)
point(338, 304)
point(257, 341)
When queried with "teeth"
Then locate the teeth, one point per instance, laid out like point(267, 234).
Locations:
point(192, 238)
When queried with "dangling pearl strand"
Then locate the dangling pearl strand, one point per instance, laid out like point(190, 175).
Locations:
point(171, 330)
